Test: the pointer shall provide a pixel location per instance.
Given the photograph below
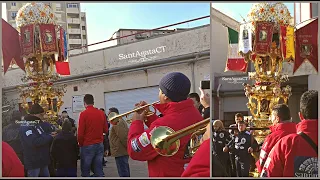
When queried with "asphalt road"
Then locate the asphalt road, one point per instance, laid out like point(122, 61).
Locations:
point(137, 168)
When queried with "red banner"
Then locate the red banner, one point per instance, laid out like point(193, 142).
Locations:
point(283, 39)
point(61, 45)
point(263, 37)
point(307, 45)
point(27, 40)
point(48, 39)
point(11, 49)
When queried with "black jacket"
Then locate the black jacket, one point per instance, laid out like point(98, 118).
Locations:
point(206, 113)
point(10, 135)
point(220, 140)
point(65, 150)
point(241, 143)
point(35, 142)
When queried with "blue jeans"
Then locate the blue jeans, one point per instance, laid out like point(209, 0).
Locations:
point(123, 166)
point(92, 154)
point(66, 172)
point(39, 172)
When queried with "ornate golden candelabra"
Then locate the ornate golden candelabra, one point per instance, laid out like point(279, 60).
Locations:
point(266, 91)
point(39, 49)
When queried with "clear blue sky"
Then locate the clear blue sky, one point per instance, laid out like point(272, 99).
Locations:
point(103, 19)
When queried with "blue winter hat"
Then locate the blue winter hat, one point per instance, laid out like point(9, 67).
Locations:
point(176, 86)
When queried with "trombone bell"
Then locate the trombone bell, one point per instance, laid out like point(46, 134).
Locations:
point(164, 148)
point(166, 141)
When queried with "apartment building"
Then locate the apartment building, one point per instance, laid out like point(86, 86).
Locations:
point(69, 16)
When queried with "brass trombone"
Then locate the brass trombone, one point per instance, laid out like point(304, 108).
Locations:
point(166, 142)
point(114, 116)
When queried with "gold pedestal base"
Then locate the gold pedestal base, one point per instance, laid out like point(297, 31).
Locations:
point(254, 174)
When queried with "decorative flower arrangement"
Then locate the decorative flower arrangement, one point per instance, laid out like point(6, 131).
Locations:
point(35, 13)
point(270, 12)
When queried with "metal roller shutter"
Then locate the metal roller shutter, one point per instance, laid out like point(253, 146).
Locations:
point(125, 100)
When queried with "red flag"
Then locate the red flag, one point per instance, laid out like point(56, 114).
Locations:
point(307, 45)
point(11, 47)
point(62, 68)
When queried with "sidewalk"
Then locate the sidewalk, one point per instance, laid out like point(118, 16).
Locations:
point(137, 168)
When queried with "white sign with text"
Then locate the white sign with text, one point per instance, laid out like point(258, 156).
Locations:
point(77, 103)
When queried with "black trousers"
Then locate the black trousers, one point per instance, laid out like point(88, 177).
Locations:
point(232, 165)
point(242, 166)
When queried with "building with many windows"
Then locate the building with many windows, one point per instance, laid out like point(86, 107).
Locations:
point(69, 16)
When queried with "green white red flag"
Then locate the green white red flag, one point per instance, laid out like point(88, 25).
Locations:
point(235, 62)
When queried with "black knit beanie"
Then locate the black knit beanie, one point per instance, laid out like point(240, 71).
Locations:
point(176, 86)
point(36, 109)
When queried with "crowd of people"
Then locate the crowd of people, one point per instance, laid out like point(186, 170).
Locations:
point(38, 148)
point(281, 154)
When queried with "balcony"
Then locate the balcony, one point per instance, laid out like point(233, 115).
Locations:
point(74, 41)
point(74, 31)
point(73, 10)
point(73, 21)
point(84, 32)
point(83, 23)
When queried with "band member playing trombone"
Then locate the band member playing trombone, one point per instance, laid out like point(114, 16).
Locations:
point(178, 113)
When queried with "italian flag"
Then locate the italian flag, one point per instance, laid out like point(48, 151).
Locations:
point(235, 61)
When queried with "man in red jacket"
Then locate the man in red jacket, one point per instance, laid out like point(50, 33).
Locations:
point(11, 165)
point(282, 125)
point(92, 125)
point(296, 155)
point(178, 112)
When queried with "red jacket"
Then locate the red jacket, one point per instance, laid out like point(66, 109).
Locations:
point(199, 165)
point(92, 125)
point(176, 115)
point(277, 132)
point(11, 164)
point(292, 156)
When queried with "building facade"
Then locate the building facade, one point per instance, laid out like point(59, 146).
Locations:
point(123, 75)
point(69, 16)
point(228, 96)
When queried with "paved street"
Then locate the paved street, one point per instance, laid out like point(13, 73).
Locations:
point(137, 168)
